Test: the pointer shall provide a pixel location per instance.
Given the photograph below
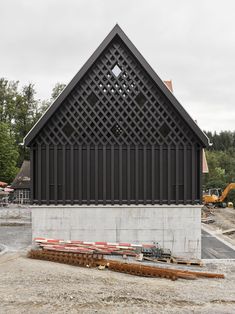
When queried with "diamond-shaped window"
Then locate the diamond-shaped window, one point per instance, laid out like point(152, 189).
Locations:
point(164, 130)
point(92, 99)
point(116, 70)
point(116, 130)
point(140, 99)
point(68, 129)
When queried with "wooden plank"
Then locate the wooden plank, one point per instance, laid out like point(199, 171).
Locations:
point(55, 175)
point(185, 175)
point(200, 175)
point(39, 174)
point(128, 175)
point(144, 174)
point(193, 174)
point(120, 174)
point(63, 174)
point(31, 175)
point(88, 175)
point(104, 175)
point(177, 175)
point(96, 174)
point(136, 175)
point(153, 173)
point(71, 175)
point(112, 175)
point(169, 174)
point(160, 173)
point(47, 174)
point(80, 174)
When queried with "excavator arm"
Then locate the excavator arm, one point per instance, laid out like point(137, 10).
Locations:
point(226, 191)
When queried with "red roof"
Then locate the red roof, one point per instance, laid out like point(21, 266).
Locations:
point(169, 85)
point(205, 168)
point(3, 184)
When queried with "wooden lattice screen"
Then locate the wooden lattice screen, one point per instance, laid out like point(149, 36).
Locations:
point(116, 139)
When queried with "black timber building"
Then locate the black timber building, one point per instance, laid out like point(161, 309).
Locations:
point(116, 135)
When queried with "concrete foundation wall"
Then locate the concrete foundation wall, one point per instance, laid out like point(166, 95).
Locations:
point(175, 227)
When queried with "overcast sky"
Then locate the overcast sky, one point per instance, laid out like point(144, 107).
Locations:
point(191, 42)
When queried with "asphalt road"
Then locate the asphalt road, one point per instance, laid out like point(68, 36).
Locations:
point(19, 237)
point(213, 248)
point(16, 238)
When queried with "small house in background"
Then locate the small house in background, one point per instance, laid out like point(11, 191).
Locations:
point(21, 184)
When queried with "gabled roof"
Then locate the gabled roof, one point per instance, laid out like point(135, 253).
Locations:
point(116, 31)
point(22, 180)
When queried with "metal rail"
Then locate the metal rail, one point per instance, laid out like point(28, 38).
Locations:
point(95, 260)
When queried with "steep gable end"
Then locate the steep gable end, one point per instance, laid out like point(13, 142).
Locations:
point(116, 98)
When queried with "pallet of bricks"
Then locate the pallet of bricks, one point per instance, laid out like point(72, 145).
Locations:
point(99, 254)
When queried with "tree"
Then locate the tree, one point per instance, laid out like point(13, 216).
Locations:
point(46, 103)
point(8, 154)
point(8, 95)
point(216, 176)
point(221, 165)
point(57, 90)
point(26, 115)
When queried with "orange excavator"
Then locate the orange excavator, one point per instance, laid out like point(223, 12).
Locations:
point(216, 197)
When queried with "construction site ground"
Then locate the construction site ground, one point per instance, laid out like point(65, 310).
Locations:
point(34, 286)
point(223, 219)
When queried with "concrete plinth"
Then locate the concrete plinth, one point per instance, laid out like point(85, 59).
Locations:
point(177, 227)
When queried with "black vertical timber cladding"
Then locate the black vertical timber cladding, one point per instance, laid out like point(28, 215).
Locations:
point(128, 175)
point(104, 175)
point(161, 175)
point(116, 175)
point(185, 174)
point(153, 175)
point(144, 175)
point(96, 174)
point(136, 175)
point(177, 165)
point(55, 175)
point(193, 176)
point(32, 184)
point(71, 175)
point(47, 174)
point(120, 175)
point(112, 174)
point(169, 175)
point(88, 188)
point(200, 153)
point(63, 174)
point(39, 166)
point(116, 140)
point(80, 174)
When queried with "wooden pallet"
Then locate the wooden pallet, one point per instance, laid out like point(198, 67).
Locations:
point(176, 260)
point(182, 261)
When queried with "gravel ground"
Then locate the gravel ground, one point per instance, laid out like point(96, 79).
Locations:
point(32, 286)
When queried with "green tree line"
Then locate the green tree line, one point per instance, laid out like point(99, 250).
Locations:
point(19, 111)
point(221, 161)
